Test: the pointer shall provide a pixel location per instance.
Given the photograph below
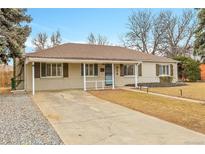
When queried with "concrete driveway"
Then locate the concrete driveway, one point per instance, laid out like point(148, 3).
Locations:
point(80, 118)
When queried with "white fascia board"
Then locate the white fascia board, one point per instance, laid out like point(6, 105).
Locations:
point(53, 60)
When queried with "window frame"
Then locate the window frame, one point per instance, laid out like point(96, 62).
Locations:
point(90, 70)
point(51, 68)
point(87, 70)
point(164, 70)
point(126, 74)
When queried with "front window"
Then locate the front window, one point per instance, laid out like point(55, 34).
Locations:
point(164, 70)
point(51, 70)
point(59, 70)
point(91, 69)
point(128, 69)
point(48, 69)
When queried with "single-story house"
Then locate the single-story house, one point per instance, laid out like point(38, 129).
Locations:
point(87, 66)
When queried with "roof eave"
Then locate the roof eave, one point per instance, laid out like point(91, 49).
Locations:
point(74, 59)
point(62, 60)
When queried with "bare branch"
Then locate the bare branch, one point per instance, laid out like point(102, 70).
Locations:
point(139, 26)
point(91, 39)
point(55, 39)
point(164, 33)
point(99, 40)
point(40, 42)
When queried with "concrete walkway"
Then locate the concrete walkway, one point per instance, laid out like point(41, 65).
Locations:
point(163, 95)
point(80, 118)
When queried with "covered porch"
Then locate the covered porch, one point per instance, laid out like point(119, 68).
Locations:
point(84, 74)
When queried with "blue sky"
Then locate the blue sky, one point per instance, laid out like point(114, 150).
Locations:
point(76, 24)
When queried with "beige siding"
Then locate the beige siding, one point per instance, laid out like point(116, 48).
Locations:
point(122, 80)
point(75, 80)
point(149, 72)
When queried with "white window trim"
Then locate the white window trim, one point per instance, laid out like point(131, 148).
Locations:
point(161, 75)
point(164, 75)
point(90, 69)
point(91, 76)
point(51, 77)
point(129, 76)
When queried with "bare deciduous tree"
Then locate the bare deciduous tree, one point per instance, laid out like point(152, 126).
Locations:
point(159, 27)
point(99, 40)
point(41, 41)
point(102, 40)
point(145, 31)
point(91, 39)
point(179, 33)
point(139, 28)
point(163, 33)
point(56, 39)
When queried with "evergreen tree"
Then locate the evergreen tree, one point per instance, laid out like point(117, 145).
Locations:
point(13, 34)
point(199, 44)
point(188, 68)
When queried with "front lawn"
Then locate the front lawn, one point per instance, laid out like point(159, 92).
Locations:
point(190, 90)
point(186, 114)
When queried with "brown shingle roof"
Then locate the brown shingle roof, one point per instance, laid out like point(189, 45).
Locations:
point(96, 52)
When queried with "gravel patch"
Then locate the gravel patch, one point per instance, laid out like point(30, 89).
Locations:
point(21, 122)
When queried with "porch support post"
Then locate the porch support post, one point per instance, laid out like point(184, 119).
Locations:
point(136, 75)
point(33, 79)
point(84, 77)
point(113, 76)
point(176, 71)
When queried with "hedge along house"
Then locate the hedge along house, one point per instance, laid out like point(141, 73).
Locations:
point(86, 66)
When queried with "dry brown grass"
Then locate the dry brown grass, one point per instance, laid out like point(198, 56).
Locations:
point(187, 114)
point(190, 90)
point(5, 78)
point(5, 90)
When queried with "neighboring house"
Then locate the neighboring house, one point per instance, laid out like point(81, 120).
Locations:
point(202, 68)
point(93, 66)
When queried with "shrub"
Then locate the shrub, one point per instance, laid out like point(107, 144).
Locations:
point(166, 79)
point(189, 68)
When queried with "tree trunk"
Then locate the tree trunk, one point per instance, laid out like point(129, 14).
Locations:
point(14, 70)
